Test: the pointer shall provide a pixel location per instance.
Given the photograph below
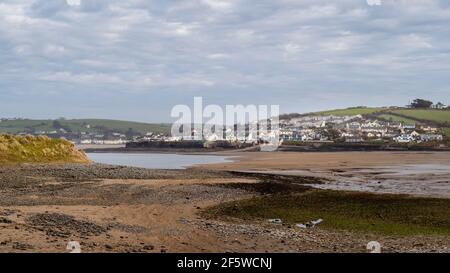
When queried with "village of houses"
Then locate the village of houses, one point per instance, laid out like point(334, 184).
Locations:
point(305, 128)
point(355, 129)
point(312, 128)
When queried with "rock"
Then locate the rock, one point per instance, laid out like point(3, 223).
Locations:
point(310, 224)
point(275, 221)
point(4, 220)
point(148, 247)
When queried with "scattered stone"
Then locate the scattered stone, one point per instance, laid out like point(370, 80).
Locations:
point(62, 225)
point(4, 220)
point(148, 247)
point(126, 228)
point(8, 212)
point(275, 221)
point(21, 246)
point(310, 224)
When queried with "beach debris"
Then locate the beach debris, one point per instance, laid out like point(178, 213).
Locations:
point(310, 224)
point(275, 221)
point(374, 247)
point(74, 247)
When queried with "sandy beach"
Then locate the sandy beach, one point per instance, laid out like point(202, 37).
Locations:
point(124, 209)
point(326, 160)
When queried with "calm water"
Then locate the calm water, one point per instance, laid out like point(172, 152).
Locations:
point(156, 161)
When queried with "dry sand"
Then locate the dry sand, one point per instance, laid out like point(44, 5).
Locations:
point(113, 209)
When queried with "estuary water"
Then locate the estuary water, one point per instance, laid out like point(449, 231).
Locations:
point(156, 161)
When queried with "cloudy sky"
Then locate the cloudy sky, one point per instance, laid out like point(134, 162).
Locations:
point(135, 59)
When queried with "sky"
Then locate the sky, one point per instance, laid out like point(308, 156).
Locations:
point(136, 59)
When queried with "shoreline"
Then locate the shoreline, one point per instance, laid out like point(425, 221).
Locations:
point(122, 209)
point(301, 148)
point(127, 209)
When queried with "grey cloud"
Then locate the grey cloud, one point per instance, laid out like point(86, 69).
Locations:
point(47, 8)
point(302, 54)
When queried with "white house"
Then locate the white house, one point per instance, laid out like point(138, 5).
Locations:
point(431, 137)
point(403, 139)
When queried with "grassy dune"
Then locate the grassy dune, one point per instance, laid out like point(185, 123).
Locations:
point(352, 211)
point(30, 149)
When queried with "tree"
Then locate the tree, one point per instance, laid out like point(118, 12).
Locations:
point(421, 103)
point(57, 124)
point(332, 134)
point(440, 105)
point(130, 133)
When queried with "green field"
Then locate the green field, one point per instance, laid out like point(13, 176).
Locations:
point(409, 116)
point(352, 211)
point(351, 111)
point(440, 116)
point(397, 119)
point(81, 125)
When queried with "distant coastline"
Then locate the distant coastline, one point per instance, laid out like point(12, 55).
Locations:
point(301, 147)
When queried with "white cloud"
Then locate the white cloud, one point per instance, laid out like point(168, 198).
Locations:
point(218, 56)
point(374, 2)
point(53, 50)
point(220, 5)
point(82, 78)
point(415, 41)
point(242, 49)
point(180, 29)
point(73, 2)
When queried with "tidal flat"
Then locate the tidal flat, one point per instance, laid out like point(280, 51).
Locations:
point(222, 207)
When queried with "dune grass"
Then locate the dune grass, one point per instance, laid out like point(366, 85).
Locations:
point(352, 211)
point(41, 149)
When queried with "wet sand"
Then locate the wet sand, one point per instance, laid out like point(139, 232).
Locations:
point(414, 173)
point(122, 209)
point(324, 161)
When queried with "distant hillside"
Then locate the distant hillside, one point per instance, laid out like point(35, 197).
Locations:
point(396, 114)
point(436, 116)
point(41, 149)
point(351, 111)
point(80, 125)
point(432, 117)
